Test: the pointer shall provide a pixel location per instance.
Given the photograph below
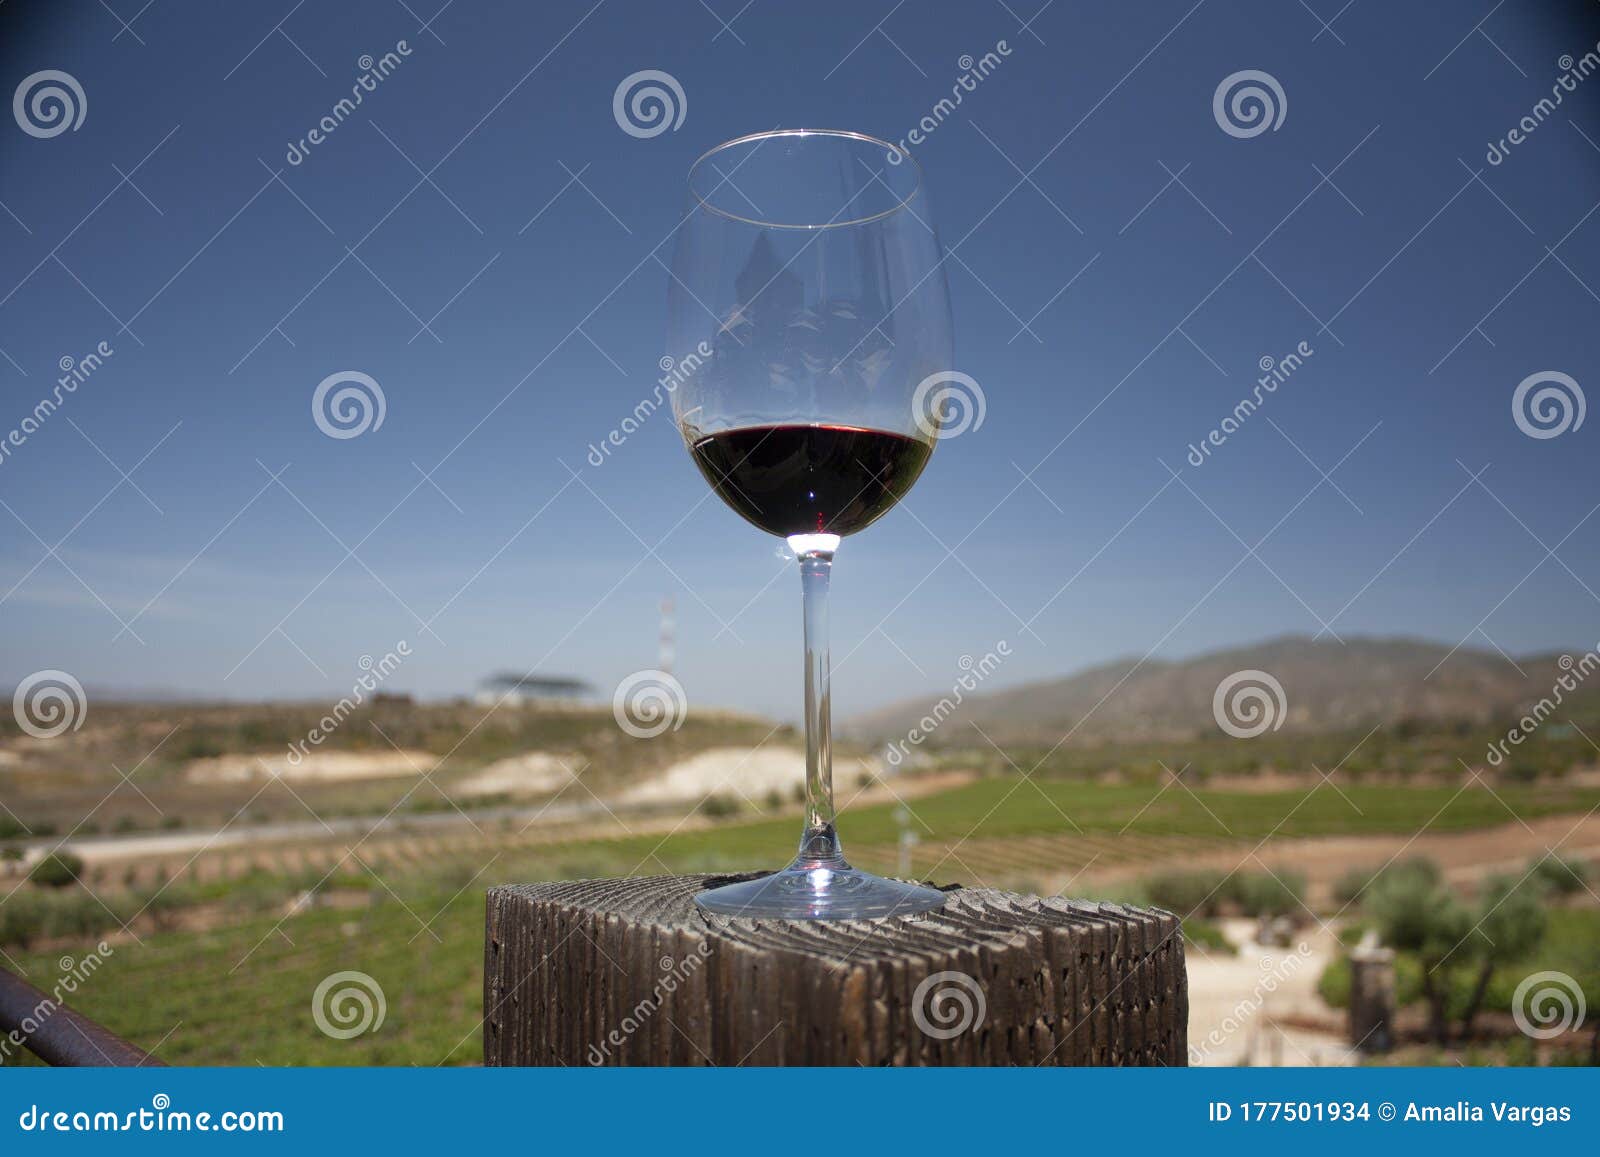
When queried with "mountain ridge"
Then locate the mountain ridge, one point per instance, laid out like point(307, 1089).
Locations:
point(1325, 685)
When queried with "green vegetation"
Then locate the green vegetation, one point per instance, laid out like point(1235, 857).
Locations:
point(719, 806)
point(1207, 894)
point(989, 810)
point(243, 993)
point(33, 915)
point(1351, 887)
point(67, 788)
point(250, 950)
point(57, 870)
point(1414, 753)
point(1563, 877)
point(1414, 912)
point(1571, 945)
point(1207, 936)
point(1272, 894)
point(1186, 893)
point(1457, 957)
point(1010, 806)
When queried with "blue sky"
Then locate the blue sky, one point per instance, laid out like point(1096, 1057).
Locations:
point(480, 237)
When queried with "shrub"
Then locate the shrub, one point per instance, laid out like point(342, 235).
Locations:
point(75, 916)
point(30, 915)
point(1351, 888)
point(162, 905)
point(21, 919)
point(1334, 983)
point(720, 807)
point(1562, 877)
point(1208, 936)
point(1510, 926)
point(1187, 893)
point(1130, 892)
point(1269, 894)
point(1352, 933)
point(57, 870)
point(198, 746)
point(1414, 912)
point(1456, 949)
point(1410, 906)
point(1192, 894)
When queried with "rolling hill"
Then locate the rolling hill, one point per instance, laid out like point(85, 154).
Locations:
point(1327, 685)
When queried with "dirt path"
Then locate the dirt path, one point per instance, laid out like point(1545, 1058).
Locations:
point(574, 815)
point(1465, 857)
point(1235, 1002)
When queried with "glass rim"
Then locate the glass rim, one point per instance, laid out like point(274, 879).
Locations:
point(894, 150)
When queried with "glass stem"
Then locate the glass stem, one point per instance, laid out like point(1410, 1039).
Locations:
point(819, 844)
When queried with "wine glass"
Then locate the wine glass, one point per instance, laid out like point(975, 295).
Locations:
point(807, 304)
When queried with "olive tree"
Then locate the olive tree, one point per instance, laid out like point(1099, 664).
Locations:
point(1458, 946)
point(1415, 912)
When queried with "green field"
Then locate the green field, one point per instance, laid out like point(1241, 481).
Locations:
point(240, 991)
point(1010, 806)
point(242, 995)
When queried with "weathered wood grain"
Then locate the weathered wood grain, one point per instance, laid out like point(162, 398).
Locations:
point(631, 972)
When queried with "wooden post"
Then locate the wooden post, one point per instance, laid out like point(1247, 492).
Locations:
point(1372, 999)
point(612, 972)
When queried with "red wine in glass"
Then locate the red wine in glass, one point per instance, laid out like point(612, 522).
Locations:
point(810, 479)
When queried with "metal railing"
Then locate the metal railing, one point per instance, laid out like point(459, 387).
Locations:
point(58, 1035)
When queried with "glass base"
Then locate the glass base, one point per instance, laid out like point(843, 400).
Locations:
point(819, 893)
